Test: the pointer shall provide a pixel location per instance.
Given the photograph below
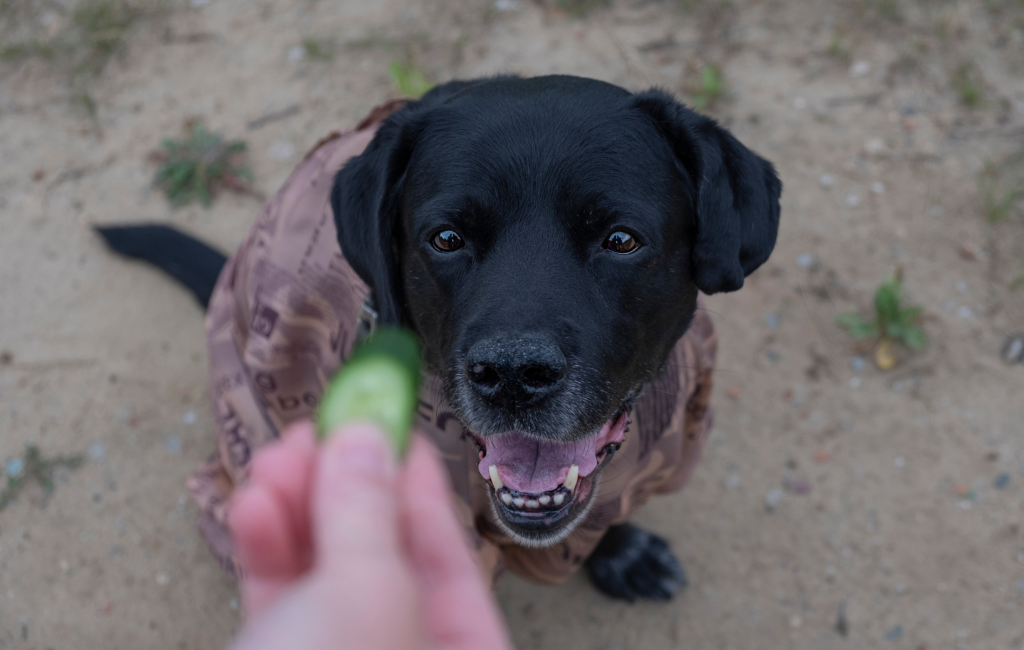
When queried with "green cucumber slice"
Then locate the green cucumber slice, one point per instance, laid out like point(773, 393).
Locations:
point(380, 383)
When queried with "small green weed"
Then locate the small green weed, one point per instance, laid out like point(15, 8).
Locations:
point(891, 322)
point(578, 8)
point(34, 466)
point(969, 84)
point(709, 88)
point(198, 166)
point(839, 48)
point(889, 10)
point(409, 80)
point(1001, 186)
point(101, 26)
point(95, 31)
point(27, 49)
point(319, 49)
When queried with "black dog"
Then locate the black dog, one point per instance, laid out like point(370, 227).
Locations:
point(547, 238)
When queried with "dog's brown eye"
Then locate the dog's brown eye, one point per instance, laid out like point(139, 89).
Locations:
point(447, 241)
point(621, 242)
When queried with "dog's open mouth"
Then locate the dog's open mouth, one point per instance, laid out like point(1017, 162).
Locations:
point(535, 483)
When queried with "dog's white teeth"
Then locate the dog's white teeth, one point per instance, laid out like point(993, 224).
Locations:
point(544, 500)
point(495, 479)
point(519, 501)
point(558, 498)
point(506, 498)
point(572, 477)
point(532, 503)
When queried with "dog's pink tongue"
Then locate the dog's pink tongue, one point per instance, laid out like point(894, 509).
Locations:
point(528, 465)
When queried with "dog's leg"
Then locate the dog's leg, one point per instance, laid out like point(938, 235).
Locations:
point(631, 563)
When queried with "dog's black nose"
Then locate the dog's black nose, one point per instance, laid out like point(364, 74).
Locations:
point(522, 370)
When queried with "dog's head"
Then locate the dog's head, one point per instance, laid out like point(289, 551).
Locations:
point(546, 238)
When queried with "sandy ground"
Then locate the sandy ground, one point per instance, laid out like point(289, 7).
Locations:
point(828, 485)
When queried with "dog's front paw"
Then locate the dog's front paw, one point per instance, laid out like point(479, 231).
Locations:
point(630, 563)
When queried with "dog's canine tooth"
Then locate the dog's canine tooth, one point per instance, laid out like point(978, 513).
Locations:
point(519, 501)
point(572, 477)
point(559, 498)
point(506, 498)
point(495, 479)
point(544, 500)
point(532, 503)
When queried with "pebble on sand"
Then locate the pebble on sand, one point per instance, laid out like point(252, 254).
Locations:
point(805, 261)
point(860, 68)
point(853, 199)
point(15, 467)
point(827, 180)
point(797, 486)
point(1013, 349)
point(189, 417)
point(1001, 481)
point(97, 451)
point(878, 187)
point(772, 498)
point(281, 150)
point(895, 634)
point(842, 624)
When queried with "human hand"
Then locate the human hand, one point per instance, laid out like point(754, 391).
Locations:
point(343, 548)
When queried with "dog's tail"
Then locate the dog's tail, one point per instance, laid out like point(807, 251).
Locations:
point(187, 260)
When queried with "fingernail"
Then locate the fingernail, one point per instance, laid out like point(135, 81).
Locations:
point(364, 450)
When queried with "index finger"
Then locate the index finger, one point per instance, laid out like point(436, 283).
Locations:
point(355, 509)
point(459, 609)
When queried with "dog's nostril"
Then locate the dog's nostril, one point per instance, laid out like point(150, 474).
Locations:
point(540, 376)
point(484, 375)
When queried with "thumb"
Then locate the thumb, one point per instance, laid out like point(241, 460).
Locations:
point(355, 508)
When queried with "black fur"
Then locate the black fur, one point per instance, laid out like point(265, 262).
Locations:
point(630, 563)
point(737, 194)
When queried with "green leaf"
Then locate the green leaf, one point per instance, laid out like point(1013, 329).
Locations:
point(914, 337)
point(909, 315)
point(849, 319)
point(409, 81)
point(856, 325)
point(887, 300)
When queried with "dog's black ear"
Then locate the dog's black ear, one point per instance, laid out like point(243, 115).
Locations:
point(735, 194)
point(365, 201)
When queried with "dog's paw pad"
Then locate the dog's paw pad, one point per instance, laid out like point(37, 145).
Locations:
point(632, 564)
